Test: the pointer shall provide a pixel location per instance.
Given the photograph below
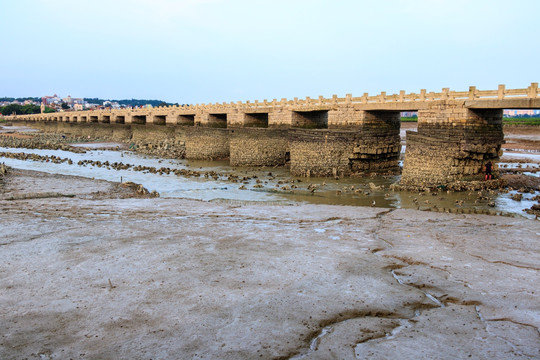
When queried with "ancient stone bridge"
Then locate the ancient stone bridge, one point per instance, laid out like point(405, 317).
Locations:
point(457, 131)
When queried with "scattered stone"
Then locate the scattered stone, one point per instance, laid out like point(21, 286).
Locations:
point(517, 197)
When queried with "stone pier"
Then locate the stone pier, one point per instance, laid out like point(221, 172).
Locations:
point(365, 141)
point(452, 143)
point(259, 147)
point(207, 143)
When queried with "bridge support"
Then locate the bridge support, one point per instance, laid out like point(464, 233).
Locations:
point(452, 143)
point(371, 145)
point(120, 132)
point(258, 147)
point(206, 143)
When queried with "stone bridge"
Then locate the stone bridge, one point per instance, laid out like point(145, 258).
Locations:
point(458, 131)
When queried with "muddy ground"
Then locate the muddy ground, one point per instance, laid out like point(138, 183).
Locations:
point(89, 272)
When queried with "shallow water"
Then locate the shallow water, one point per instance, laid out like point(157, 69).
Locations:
point(18, 129)
point(270, 185)
point(100, 145)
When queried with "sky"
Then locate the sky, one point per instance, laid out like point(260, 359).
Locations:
point(207, 51)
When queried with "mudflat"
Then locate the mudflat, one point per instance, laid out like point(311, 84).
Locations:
point(89, 271)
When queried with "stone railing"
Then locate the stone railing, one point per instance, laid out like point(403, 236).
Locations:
point(322, 103)
point(501, 93)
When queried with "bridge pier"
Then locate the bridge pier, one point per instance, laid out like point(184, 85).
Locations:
point(120, 132)
point(253, 143)
point(151, 137)
point(367, 142)
point(258, 147)
point(452, 143)
point(280, 118)
point(206, 143)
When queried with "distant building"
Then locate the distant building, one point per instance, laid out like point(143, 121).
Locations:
point(68, 100)
point(409, 114)
point(111, 104)
point(513, 112)
point(49, 100)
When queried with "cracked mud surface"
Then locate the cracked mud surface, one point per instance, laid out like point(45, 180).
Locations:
point(97, 277)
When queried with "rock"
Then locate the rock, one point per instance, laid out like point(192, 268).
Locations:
point(517, 197)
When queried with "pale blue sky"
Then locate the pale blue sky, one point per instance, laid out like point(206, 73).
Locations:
point(198, 51)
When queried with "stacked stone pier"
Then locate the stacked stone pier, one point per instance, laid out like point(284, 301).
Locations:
point(458, 132)
point(452, 143)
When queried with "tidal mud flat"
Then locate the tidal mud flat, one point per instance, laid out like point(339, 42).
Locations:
point(90, 271)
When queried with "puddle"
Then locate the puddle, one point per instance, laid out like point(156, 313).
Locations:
point(18, 129)
point(100, 145)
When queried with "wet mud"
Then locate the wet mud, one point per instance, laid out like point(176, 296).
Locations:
point(101, 275)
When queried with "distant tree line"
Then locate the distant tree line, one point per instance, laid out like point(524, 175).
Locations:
point(128, 102)
point(11, 99)
point(23, 109)
point(522, 116)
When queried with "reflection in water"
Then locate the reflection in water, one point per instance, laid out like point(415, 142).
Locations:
point(259, 184)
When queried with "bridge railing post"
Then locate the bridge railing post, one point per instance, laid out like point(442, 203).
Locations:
point(472, 92)
point(422, 94)
point(444, 94)
point(365, 98)
point(500, 92)
point(533, 90)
